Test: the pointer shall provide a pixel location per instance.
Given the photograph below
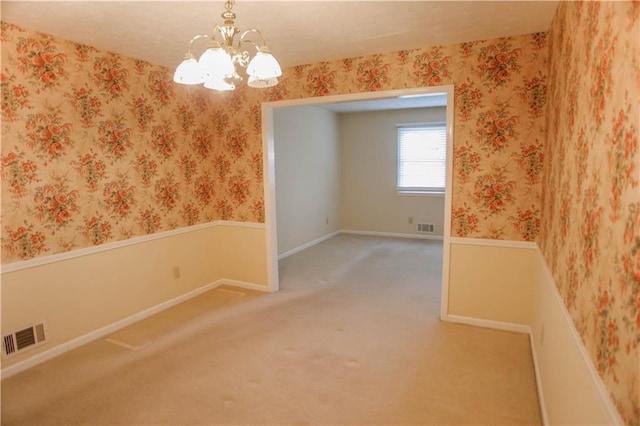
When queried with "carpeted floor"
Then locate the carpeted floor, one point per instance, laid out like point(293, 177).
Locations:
point(352, 338)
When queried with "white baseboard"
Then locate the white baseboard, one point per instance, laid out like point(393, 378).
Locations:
point(536, 370)
point(392, 234)
point(243, 284)
point(479, 322)
point(348, 231)
point(307, 245)
point(486, 242)
point(112, 328)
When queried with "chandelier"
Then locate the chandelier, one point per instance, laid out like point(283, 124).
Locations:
point(218, 66)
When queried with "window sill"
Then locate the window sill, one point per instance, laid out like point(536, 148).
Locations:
point(420, 193)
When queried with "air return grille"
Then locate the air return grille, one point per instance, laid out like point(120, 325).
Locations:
point(26, 338)
point(427, 228)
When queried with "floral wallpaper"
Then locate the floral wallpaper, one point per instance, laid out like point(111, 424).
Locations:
point(500, 95)
point(591, 202)
point(98, 147)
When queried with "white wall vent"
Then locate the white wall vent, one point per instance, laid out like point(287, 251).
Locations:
point(24, 339)
point(427, 228)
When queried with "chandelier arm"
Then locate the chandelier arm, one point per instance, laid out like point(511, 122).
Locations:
point(196, 37)
point(251, 31)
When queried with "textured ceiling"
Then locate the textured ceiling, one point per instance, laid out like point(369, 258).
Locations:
point(298, 32)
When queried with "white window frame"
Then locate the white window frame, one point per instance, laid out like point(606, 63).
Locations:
point(421, 190)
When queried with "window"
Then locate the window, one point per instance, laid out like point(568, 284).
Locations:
point(422, 158)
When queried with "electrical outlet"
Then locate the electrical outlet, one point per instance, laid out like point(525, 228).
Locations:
point(176, 272)
point(410, 221)
point(327, 221)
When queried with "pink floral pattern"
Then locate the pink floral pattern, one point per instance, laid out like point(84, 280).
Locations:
point(55, 205)
point(92, 169)
point(24, 242)
point(496, 129)
point(321, 80)
point(15, 97)
point(431, 68)
point(114, 137)
point(527, 223)
point(47, 134)
point(18, 172)
point(167, 193)
point(149, 221)
point(467, 163)
point(110, 76)
point(497, 63)
point(142, 111)
point(468, 98)
point(41, 61)
point(131, 136)
point(119, 199)
point(590, 210)
point(464, 221)
point(494, 192)
point(97, 230)
point(86, 104)
point(372, 74)
point(534, 92)
point(164, 140)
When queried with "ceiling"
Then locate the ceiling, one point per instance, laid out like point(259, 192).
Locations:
point(399, 102)
point(297, 32)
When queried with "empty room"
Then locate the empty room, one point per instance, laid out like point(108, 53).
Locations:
point(320, 212)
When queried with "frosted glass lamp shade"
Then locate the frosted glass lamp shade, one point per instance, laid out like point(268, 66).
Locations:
point(215, 64)
point(264, 66)
point(188, 72)
point(258, 83)
point(218, 84)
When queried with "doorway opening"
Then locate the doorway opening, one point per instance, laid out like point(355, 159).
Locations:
point(403, 97)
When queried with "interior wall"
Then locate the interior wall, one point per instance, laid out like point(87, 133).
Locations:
point(99, 150)
point(498, 128)
point(591, 205)
point(477, 291)
point(369, 201)
point(78, 295)
point(568, 380)
point(307, 174)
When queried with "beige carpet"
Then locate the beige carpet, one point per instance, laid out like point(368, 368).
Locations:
point(352, 337)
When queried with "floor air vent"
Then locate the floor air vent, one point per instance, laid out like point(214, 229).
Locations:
point(426, 228)
point(21, 340)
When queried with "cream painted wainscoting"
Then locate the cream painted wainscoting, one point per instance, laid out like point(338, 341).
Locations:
point(507, 285)
point(491, 280)
point(86, 294)
point(497, 284)
point(573, 391)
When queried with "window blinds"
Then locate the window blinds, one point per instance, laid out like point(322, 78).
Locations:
point(422, 157)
